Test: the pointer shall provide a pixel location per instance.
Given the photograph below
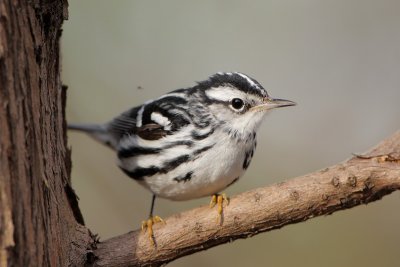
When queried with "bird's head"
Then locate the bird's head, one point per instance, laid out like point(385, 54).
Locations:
point(238, 101)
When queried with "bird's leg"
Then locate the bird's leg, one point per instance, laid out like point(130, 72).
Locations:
point(147, 225)
point(219, 199)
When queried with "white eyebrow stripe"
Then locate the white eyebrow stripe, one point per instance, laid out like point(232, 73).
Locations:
point(250, 81)
point(224, 94)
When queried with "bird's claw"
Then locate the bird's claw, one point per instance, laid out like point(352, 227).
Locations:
point(147, 225)
point(219, 199)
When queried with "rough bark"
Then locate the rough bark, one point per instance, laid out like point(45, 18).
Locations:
point(360, 180)
point(37, 224)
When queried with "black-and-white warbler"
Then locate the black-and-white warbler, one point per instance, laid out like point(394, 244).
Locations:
point(191, 142)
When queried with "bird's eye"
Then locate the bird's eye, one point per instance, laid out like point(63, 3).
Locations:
point(237, 103)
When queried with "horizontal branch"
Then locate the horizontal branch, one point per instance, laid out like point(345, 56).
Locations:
point(359, 180)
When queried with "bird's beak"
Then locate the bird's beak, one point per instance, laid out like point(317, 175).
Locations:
point(271, 103)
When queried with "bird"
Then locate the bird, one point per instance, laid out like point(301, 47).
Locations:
point(191, 142)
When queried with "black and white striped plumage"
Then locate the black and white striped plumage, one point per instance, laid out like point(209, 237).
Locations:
point(191, 142)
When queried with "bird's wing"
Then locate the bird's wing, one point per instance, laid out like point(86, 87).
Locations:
point(157, 118)
point(126, 124)
point(151, 131)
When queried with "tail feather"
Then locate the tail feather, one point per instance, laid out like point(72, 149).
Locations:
point(97, 131)
point(88, 128)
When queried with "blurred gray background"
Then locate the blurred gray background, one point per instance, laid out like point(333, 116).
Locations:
point(339, 60)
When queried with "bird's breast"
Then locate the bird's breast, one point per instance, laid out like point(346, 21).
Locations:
point(186, 172)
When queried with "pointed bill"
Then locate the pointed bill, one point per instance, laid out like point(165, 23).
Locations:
point(271, 103)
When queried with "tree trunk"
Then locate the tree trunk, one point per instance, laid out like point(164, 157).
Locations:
point(38, 225)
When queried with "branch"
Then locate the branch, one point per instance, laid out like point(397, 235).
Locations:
point(359, 180)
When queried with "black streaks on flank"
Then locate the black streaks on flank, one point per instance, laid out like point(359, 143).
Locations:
point(234, 181)
point(250, 153)
point(139, 173)
point(182, 159)
point(247, 159)
point(196, 136)
point(245, 162)
point(179, 143)
point(184, 178)
point(174, 163)
point(137, 151)
point(201, 150)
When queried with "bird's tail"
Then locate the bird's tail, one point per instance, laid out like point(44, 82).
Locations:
point(97, 131)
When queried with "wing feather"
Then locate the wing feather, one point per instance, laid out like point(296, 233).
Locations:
point(158, 118)
point(125, 124)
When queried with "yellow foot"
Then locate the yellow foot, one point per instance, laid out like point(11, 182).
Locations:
point(219, 199)
point(148, 226)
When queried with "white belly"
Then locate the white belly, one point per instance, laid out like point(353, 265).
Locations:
point(210, 172)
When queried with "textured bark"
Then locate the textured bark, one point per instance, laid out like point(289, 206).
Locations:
point(38, 226)
point(357, 181)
